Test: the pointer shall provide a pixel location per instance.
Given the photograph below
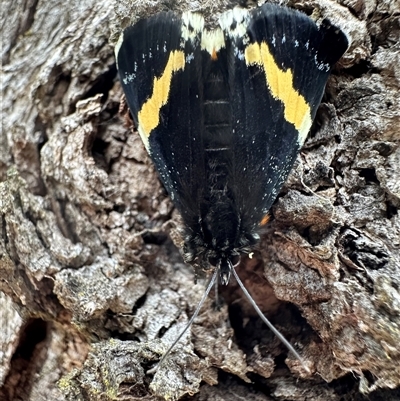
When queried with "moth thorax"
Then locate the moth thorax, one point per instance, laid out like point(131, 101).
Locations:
point(220, 226)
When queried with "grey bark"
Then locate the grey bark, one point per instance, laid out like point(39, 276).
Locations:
point(92, 289)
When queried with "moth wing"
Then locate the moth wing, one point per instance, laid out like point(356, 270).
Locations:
point(160, 71)
point(277, 75)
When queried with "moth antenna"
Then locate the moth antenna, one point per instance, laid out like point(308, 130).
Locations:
point(268, 323)
point(195, 314)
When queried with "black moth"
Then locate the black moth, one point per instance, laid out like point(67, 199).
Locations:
point(223, 115)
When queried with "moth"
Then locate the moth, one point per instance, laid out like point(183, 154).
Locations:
point(223, 114)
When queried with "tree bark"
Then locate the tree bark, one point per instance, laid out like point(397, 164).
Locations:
point(92, 285)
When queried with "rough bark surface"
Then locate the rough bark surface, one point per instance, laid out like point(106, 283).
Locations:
point(93, 289)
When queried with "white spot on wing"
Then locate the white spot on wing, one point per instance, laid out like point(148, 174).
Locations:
point(189, 58)
point(192, 25)
point(238, 53)
point(128, 78)
point(234, 22)
point(321, 66)
point(212, 40)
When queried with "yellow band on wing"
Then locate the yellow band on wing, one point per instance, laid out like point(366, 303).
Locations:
point(280, 83)
point(149, 114)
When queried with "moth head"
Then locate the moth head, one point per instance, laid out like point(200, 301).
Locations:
point(224, 264)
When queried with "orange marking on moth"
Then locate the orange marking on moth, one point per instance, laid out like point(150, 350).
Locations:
point(265, 219)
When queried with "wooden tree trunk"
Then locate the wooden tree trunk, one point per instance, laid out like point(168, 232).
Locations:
point(93, 289)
